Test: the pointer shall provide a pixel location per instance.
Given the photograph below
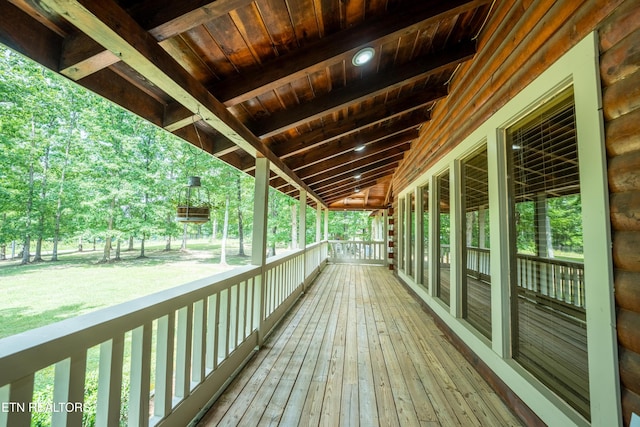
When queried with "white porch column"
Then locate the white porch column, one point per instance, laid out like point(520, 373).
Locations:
point(326, 224)
point(419, 233)
point(319, 223)
point(302, 220)
point(259, 237)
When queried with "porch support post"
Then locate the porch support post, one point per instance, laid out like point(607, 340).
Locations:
point(259, 238)
point(319, 223)
point(434, 242)
point(326, 224)
point(302, 235)
point(385, 235)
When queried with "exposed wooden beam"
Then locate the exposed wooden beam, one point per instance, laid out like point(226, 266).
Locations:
point(296, 145)
point(25, 35)
point(334, 192)
point(82, 55)
point(347, 146)
point(336, 182)
point(365, 89)
point(113, 28)
point(178, 116)
point(354, 169)
point(355, 160)
point(340, 46)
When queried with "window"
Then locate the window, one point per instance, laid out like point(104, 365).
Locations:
point(547, 269)
point(444, 231)
point(476, 283)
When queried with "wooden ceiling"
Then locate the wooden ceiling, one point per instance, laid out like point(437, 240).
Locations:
point(265, 78)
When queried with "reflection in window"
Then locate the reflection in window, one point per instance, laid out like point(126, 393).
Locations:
point(444, 248)
point(476, 283)
point(425, 235)
point(548, 322)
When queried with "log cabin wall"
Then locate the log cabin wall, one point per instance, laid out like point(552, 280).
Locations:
point(520, 40)
point(620, 75)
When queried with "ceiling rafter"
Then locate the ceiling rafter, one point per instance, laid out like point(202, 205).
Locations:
point(346, 147)
point(375, 85)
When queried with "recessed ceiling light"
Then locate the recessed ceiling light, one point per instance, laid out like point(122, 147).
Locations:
point(357, 190)
point(363, 56)
point(358, 176)
point(359, 148)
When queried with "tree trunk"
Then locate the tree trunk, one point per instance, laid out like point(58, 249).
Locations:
point(117, 257)
point(38, 255)
point(3, 251)
point(225, 229)
point(80, 244)
point(240, 226)
point(56, 230)
point(214, 230)
point(142, 255)
point(27, 238)
point(184, 237)
point(130, 248)
point(43, 196)
point(167, 246)
point(106, 256)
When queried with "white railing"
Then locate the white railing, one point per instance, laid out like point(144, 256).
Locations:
point(196, 335)
point(363, 252)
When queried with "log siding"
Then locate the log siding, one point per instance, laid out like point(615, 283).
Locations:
point(520, 40)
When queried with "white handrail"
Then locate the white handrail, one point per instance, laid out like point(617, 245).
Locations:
point(205, 330)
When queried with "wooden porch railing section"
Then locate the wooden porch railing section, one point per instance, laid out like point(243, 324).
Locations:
point(356, 252)
point(549, 280)
point(204, 331)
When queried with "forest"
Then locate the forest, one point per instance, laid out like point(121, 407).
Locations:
point(76, 168)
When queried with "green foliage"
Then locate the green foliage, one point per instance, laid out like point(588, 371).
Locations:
point(349, 225)
point(74, 165)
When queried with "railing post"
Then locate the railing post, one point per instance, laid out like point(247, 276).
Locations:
point(259, 238)
point(302, 235)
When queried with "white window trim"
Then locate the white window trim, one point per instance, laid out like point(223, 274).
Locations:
point(578, 67)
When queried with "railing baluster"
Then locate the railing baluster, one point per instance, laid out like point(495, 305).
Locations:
point(68, 389)
point(242, 312)
point(199, 341)
point(18, 396)
point(140, 377)
point(212, 333)
point(162, 402)
point(183, 351)
point(223, 325)
point(110, 382)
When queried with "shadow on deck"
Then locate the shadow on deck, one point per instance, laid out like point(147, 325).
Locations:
point(358, 350)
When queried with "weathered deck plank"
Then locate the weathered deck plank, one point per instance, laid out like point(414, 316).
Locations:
point(358, 350)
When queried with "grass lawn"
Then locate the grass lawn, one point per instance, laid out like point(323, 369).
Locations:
point(42, 293)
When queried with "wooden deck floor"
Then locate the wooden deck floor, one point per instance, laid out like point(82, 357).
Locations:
point(358, 350)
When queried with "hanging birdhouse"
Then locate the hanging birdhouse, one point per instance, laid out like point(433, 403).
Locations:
point(193, 203)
